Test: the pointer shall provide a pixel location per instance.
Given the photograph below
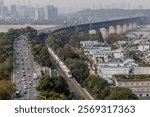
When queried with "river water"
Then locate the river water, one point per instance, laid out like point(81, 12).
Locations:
point(142, 30)
point(5, 28)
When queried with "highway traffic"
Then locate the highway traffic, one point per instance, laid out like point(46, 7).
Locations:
point(24, 70)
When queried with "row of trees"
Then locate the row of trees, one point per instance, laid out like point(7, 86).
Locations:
point(40, 53)
point(53, 89)
point(6, 59)
point(114, 37)
point(100, 89)
point(6, 65)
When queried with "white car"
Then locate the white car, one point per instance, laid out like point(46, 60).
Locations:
point(30, 82)
point(25, 87)
point(29, 75)
point(34, 86)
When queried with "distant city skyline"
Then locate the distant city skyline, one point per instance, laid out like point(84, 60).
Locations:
point(66, 6)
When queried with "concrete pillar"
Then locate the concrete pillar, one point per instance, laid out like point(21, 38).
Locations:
point(130, 26)
point(125, 28)
point(114, 29)
point(104, 32)
point(119, 29)
point(134, 25)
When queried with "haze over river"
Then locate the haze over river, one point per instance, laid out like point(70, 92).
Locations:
point(5, 28)
point(143, 30)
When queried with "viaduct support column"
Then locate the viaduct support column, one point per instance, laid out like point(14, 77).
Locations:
point(106, 33)
point(125, 28)
point(119, 29)
point(130, 26)
point(134, 25)
point(114, 28)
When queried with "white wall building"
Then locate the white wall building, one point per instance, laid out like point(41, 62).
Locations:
point(108, 71)
point(143, 47)
point(139, 87)
point(102, 54)
point(118, 54)
point(88, 43)
point(111, 64)
point(141, 70)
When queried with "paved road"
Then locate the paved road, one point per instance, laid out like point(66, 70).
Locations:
point(24, 69)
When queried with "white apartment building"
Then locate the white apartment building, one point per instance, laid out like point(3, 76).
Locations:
point(108, 71)
point(120, 54)
point(141, 70)
point(144, 47)
point(88, 43)
point(104, 55)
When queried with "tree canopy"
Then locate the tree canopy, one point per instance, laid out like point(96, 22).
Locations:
point(58, 86)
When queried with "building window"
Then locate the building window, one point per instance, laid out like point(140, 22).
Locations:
point(148, 83)
point(137, 84)
point(147, 95)
point(131, 84)
point(140, 95)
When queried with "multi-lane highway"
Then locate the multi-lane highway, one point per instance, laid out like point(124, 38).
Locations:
point(24, 69)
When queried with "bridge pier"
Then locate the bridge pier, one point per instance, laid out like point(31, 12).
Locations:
point(135, 25)
point(125, 28)
point(119, 29)
point(130, 26)
point(105, 32)
point(112, 29)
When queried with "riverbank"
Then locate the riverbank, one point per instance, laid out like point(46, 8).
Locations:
point(5, 28)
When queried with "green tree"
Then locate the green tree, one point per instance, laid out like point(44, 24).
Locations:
point(95, 84)
point(48, 85)
point(6, 89)
point(119, 93)
point(80, 70)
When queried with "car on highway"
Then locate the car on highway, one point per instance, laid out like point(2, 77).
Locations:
point(29, 75)
point(30, 82)
point(25, 87)
point(34, 86)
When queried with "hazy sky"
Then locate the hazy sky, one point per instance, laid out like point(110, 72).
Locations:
point(73, 5)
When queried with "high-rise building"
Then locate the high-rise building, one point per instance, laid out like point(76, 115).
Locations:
point(46, 10)
point(13, 10)
point(50, 12)
point(39, 14)
point(1, 6)
point(5, 11)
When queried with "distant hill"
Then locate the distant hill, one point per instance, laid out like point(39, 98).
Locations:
point(106, 14)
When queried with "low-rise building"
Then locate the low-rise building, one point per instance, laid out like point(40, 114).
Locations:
point(88, 43)
point(108, 71)
point(144, 47)
point(141, 70)
point(121, 54)
point(140, 87)
point(104, 55)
